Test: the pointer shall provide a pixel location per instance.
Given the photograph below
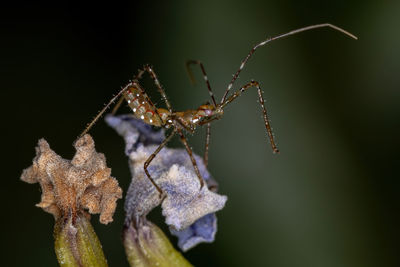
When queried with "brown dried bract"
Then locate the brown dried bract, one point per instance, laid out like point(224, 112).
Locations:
point(69, 187)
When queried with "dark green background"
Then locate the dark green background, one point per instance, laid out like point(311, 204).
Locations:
point(331, 198)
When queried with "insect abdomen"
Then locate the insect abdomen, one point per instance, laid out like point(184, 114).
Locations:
point(141, 106)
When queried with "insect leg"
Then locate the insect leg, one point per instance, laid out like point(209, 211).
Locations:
point(189, 151)
point(208, 133)
point(261, 100)
point(244, 61)
point(153, 75)
point(197, 62)
point(152, 156)
point(117, 106)
point(98, 116)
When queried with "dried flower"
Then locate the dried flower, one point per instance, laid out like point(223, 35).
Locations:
point(69, 190)
point(70, 187)
point(188, 210)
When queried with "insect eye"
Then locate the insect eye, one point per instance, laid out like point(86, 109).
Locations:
point(208, 112)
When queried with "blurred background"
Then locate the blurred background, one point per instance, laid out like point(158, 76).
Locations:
point(331, 198)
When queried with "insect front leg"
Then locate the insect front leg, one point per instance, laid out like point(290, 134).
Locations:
point(261, 100)
point(197, 62)
point(152, 156)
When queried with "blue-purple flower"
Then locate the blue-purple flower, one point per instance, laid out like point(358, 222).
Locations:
point(189, 212)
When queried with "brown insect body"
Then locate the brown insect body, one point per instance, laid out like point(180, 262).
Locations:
point(145, 110)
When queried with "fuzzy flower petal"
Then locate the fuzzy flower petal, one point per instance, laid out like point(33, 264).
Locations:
point(185, 205)
point(203, 230)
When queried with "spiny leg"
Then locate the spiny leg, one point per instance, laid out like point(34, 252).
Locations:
point(197, 62)
point(261, 100)
point(208, 133)
point(312, 27)
point(152, 156)
point(189, 151)
point(98, 116)
point(153, 75)
point(117, 106)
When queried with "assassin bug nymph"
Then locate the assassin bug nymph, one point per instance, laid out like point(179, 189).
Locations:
point(188, 120)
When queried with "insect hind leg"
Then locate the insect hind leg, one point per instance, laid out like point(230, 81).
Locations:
point(153, 75)
point(98, 116)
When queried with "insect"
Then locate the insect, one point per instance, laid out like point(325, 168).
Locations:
point(187, 121)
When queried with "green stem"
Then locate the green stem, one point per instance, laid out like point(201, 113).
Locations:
point(146, 245)
point(76, 244)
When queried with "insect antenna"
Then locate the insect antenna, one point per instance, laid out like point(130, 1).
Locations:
point(312, 27)
point(98, 116)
